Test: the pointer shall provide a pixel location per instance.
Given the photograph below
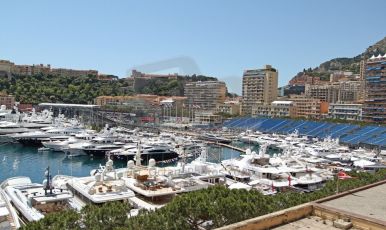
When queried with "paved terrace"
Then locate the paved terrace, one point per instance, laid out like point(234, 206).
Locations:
point(362, 208)
point(369, 203)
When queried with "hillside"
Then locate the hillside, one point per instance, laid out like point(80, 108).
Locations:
point(168, 87)
point(41, 88)
point(83, 90)
point(344, 63)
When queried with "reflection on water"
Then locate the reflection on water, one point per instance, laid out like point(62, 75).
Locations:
point(19, 160)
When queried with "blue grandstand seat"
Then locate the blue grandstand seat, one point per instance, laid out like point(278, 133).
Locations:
point(348, 134)
point(361, 135)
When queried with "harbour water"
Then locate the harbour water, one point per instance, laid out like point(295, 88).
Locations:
point(19, 160)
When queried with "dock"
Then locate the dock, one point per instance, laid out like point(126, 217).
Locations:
point(227, 146)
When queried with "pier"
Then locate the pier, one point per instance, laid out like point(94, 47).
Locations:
point(227, 146)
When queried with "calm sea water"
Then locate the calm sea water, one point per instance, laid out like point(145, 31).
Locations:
point(19, 160)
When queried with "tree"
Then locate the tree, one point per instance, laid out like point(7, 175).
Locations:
point(213, 207)
point(108, 216)
point(69, 219)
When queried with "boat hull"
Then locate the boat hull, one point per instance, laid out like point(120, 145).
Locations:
point(223, 141)
point(146, 157)
point(30, 142)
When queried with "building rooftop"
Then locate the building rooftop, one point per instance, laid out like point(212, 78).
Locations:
point(68, 105)
point(377, 57)
point(282, 102)
point(369, 203)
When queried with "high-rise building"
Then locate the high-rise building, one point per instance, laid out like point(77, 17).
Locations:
point(205, 94)
point(374, 108)
point(343, 91)
point(259, 87)
point(328, 93)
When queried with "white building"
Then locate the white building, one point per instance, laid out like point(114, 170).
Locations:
point(345, 111)
point(275, 109)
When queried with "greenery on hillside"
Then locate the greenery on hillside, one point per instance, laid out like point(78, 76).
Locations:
point(83, 90)
point(163, 87)
point(170, 87)
point(345, 63)
point(40, 88)
point(210, 208)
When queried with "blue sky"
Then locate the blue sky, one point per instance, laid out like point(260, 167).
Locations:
point(211, 37)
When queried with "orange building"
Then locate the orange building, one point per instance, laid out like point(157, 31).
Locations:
point(309, 107)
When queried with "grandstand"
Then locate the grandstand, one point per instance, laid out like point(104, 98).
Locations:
point(349, 134)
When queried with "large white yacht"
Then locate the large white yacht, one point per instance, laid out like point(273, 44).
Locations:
point(64, 145)
point(8, 215)
point(35, 138)
point(8, 128)
point(32, 200)
point(105, 184)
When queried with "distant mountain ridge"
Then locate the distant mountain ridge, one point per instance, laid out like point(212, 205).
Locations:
point(344, 63)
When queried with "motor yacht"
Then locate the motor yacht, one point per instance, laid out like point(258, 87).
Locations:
point(35, 138)
point(8, 128)
point(63, 145)
point(215, 138)
point(146, 181)
point(32, 200)
point(105, 184)
point(310, 182)
point(8, 215)
point(156, 152)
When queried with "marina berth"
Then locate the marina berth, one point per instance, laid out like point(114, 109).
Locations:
point(155, 167)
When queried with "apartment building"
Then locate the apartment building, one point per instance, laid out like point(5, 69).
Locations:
point(207, 118)
point(205, 94)
point(374, 108)
point(338, 76)
point(275, 109)
point(351, 91)
point(327, 93)
point(351, 112)
point(228, 107)
point(343, 91)
point(309, 107)
point(259, 87)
